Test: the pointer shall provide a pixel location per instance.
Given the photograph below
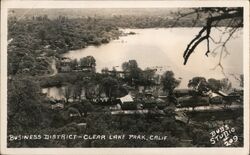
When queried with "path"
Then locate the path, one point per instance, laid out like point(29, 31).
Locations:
point(53, 67)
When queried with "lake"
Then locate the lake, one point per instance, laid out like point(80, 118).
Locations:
point(163, 49)
point(59, 93)
point(54, 92)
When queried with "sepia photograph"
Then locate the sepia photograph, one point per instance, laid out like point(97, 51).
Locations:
point(168, 76)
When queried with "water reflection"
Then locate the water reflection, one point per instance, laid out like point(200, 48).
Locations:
point(54, 92)
point(59, 93)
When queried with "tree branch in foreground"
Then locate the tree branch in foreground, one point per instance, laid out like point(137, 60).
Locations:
point(212, 21)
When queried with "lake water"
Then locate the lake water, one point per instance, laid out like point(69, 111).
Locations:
point(54, 92)
point(163, 49)
point(59, 93)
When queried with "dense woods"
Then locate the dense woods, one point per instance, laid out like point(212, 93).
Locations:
point(34, 40)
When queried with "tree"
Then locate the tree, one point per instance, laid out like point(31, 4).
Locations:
point(200, 137)
point(129, 65)
point(226, 85)
point(109, 86)
point(105, 70)
point(87, 107)
point(114, 72)
point(25, 111)
point(68, 92)
point(199, 84)
point(42, 35)
point(73, 64)
point(229, 17)
point(132, 72)
point(169, 82)
point(214, 85)
point(77, 91)
point(88, 61)
point(89, 87)
point(148, 76)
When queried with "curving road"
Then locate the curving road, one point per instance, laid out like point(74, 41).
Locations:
point(53, 67)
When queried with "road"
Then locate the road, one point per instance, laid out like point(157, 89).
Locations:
point(210, 108)
point(53, 67)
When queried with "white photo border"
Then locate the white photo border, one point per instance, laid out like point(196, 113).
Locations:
point(5, 5)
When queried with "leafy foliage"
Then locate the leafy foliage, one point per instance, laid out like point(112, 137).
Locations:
point(169, 82)
point(52, 37)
